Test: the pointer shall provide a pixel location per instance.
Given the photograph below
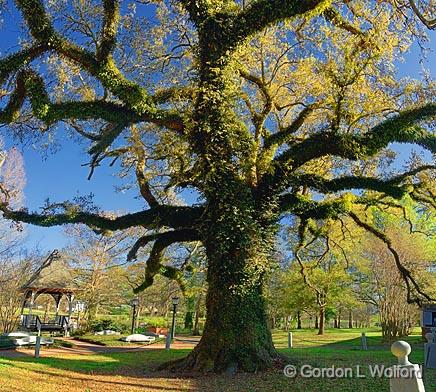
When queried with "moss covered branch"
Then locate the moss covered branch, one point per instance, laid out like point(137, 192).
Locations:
point(166, 237)
point(403, 128)
point(162, 216)
point(12, 109)
point(14, 62)
point(306, 208)
point(335, 17)
point(154, 264)
point(144, 186)
point(197, 9)
point(102, 66)
point(29, 84)
point(390, 187)
point(109, 29)
point(261, 14)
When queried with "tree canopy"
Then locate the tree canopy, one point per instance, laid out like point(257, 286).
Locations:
point(266, 108)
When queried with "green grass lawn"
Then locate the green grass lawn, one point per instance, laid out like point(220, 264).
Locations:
point(103, 340)
point(340, 338)
point(135, 371)
point(110, 340)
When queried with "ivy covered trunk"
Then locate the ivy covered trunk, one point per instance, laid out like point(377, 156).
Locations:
point(237, 231)
point(238, 245)
point(236, 335)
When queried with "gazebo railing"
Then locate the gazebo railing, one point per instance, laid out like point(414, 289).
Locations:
point(33, 322)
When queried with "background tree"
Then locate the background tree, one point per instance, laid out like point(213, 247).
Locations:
point(15, 270)
point(204, 103)
point(97, 261)
point(379, 282)
point(291, 297)
point(15, 267)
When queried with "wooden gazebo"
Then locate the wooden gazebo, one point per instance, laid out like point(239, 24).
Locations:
point(55, 278)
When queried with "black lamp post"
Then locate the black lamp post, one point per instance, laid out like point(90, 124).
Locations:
point(134, 303)
point(173, 325)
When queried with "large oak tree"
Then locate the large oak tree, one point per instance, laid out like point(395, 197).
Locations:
point(266, 108)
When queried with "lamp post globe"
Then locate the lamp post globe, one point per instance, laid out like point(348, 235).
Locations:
point(134, 302)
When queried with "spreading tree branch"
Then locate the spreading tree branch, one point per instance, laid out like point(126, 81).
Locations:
point(144, 186)
point(162, 216)
point(389, 187)
point(109, 29)
point(403, 128)
point(306, 208)
point(102, 66)
point(285, 134)
point(429, 23)
point(154, 264)
point(261, 14)
point(335, 17)
point(30, 84)
point(409, 280)
point(16, 61)
point(185, 234)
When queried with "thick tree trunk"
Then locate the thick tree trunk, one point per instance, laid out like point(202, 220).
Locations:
point(196, 330)
point(298, 320)
point(238, 230)
point(189, 315)
point(188, 324)
point(316, 322)
point(321, 328)
point(236, 336)
point(350, 319)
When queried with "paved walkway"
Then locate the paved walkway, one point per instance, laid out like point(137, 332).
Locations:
point(84, 348)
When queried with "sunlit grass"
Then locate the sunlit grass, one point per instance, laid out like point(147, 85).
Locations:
point(135, 371)
point(339, 337)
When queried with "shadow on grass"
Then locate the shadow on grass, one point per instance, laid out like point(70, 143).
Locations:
point(134, 371)
point(104, 363)
point(111, 370)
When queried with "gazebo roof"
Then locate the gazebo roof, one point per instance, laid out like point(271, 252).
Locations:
point(53, 276)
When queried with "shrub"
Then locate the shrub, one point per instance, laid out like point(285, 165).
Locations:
point(154, 321)
point(80, 332)
point(106, 323)
point(6, 342)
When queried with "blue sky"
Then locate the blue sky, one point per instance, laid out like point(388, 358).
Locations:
point(60, 176)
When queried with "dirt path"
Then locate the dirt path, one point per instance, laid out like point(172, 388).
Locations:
point(84, 348)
